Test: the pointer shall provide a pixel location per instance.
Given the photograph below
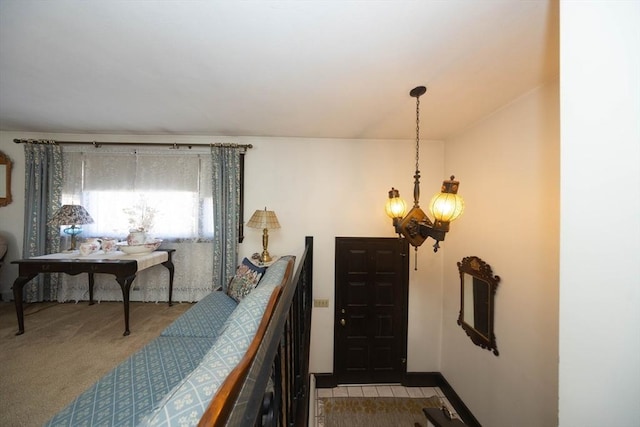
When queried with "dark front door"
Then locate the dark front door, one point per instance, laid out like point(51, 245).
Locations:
point(370, 344)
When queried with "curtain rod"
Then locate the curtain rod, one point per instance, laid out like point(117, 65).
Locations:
point(98, 144)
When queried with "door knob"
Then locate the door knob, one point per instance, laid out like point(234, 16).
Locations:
point(343, 322)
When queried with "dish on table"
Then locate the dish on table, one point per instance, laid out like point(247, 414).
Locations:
point(148, 247)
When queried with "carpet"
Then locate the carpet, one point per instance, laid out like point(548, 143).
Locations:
point(66, 348)
point(376, 411)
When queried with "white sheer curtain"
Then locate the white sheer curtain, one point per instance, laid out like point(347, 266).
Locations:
point(118, 187)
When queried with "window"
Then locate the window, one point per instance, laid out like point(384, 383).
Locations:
point(167, 194)
point(167, 191)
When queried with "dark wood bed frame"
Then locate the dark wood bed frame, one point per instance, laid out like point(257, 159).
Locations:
point(270, 385)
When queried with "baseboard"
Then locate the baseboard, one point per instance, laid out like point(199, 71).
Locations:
point(418, 379)
point(326, 380)
point(436, 379)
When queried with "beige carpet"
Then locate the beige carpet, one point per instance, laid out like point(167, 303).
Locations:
point(65, 349)
point(376, 411)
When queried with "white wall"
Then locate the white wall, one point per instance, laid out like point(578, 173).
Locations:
point(508, 166)
point(318, 187)
point(600, 219)
point(327, 188)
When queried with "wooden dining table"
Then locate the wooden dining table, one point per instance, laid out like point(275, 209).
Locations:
point(123, 266)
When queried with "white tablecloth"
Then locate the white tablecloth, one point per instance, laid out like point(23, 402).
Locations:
point(144, 260)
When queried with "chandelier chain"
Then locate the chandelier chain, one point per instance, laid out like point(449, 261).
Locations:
point(417, 133)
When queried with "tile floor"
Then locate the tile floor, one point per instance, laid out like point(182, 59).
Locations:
point(382, 390)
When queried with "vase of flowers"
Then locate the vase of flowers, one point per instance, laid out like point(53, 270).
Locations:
point(140, 218)
point(136, 237)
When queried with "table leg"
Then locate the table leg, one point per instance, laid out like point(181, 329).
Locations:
point(125, 285)
point(18, 284)
point(169, 265)
point(91, 282)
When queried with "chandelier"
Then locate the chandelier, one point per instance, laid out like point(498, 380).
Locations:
point(445, 206)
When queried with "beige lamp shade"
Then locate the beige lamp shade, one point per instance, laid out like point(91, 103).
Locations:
point(266, 220)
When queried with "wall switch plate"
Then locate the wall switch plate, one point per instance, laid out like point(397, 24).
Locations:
point(321, 303)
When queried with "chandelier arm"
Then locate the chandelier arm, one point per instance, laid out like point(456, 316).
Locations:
point(427, 230)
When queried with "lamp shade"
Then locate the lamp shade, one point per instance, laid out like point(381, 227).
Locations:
point(264, 219)
point(395, 207)
point(446, 206)
point(71, 215)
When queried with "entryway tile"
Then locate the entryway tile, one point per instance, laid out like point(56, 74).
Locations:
point(355, 391)
point(340, 392)
point(415, 392)
point(384, 391)
point(399, 391)
point(324, 392)
point(369, 391)
point(429, 391)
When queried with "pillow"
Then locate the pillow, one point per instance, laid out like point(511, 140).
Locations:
point(247, 277)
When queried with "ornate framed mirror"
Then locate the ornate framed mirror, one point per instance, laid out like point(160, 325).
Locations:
point(5, 179)
point(477, 299)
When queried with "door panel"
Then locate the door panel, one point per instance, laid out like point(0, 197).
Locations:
point(371, 309)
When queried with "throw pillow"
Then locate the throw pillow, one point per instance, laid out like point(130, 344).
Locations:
point(246, 278)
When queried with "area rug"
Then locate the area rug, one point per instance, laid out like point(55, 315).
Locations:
point(376, 411)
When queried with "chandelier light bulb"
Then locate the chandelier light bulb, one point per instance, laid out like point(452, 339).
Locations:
point(395, 207)
point(446, 207)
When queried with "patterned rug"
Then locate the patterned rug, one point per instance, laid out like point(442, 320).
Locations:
point(375, 411)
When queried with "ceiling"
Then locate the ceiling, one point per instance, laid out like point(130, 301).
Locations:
point(320, 69)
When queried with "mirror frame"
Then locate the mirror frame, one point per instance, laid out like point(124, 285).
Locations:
point(478, 269)
point(6, 162)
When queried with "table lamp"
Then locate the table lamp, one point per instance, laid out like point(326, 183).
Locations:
point(73, 215)
point(265, 220)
